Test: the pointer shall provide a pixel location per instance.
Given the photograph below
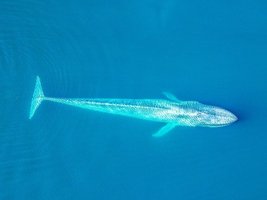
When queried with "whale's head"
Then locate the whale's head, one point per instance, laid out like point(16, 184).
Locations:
point(212, 116)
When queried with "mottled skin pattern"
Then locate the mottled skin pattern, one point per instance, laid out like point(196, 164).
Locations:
point(186, 113)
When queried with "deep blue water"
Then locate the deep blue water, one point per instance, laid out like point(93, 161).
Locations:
point(211, 51)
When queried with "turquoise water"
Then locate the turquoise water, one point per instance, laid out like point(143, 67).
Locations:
point(210, 51)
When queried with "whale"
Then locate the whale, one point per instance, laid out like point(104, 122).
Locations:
point(170, 110)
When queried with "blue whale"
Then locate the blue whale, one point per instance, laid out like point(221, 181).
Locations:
point(171, 111)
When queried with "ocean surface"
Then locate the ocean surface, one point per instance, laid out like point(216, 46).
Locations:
point(211, 51)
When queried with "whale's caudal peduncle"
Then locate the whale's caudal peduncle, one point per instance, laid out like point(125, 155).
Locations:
point(171, 111)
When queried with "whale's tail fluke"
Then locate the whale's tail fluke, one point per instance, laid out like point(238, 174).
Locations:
point(37, 98)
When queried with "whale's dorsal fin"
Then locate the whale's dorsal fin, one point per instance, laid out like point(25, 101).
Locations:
point(171, 97)
point(164, 130)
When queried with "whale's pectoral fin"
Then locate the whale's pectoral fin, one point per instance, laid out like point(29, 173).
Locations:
point(171, 97)
point(165, 129)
